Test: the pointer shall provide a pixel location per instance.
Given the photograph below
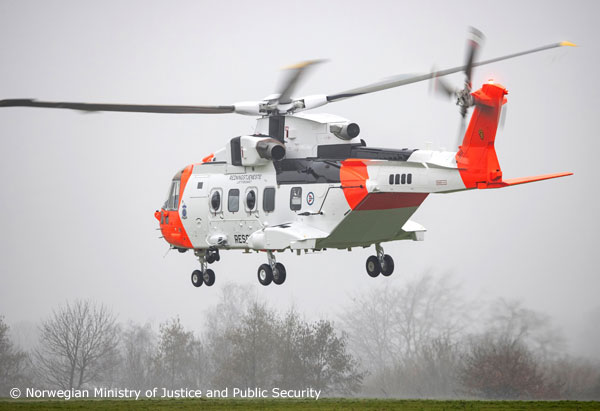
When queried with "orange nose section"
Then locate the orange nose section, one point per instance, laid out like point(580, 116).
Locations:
point(171, 226)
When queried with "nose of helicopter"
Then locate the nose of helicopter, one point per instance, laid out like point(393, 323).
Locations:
point(169, 217)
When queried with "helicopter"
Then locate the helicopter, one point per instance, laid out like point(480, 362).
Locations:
point(308, 182)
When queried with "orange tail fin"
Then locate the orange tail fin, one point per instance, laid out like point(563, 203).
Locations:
point(476, 157)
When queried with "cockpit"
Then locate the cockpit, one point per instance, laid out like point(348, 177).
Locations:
point(172, 202)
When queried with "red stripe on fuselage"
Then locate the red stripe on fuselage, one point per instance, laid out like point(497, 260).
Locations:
point(386, 201)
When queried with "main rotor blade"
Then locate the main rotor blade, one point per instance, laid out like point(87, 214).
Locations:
point(296, 72)
point(404, 79)
point(136, 108)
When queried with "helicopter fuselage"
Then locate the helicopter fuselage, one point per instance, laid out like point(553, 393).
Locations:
point(346, 203)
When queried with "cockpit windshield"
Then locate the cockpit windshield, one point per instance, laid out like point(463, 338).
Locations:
point(172, 201)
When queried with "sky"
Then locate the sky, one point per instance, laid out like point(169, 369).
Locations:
point(79, 190)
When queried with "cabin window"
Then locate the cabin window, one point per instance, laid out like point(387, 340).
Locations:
point(215, 201)
point(233, 200)
point(391, 179)
point(269, 199)
point(200, 184)
point(397, 178)
point(250, 200)
point(409, 178)
point(403, 179)
point(296, 198)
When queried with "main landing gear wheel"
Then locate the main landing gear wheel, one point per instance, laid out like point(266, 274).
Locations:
point(279, 274)
point(265, 274)
point(197, 278)
point(387, 268)
point(208, 277)
point(373, 266)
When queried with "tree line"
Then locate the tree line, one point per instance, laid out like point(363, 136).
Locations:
point(421, 339)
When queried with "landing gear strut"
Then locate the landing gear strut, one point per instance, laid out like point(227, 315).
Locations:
point(381, 263)
point(271, 272)
point(205, 275)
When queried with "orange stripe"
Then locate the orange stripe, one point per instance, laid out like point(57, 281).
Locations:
point(353, 176)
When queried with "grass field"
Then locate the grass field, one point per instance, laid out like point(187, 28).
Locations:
point(324, 404)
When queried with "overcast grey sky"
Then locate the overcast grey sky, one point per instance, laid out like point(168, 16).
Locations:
point(79, 191)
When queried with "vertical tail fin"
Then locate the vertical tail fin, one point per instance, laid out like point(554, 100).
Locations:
point(476, 158)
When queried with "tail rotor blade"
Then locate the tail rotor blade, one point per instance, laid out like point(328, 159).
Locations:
point(473, 44)
point(442, 88)
point(503, 116)
point(461, 131)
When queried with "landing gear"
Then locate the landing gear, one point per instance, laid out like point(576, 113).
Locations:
point(208, 277)
point(373, 266)
point(212, 256)
point(197, 278)
point(271, 272)
point(205, 275)
point(265, 274)
point(279, 274)
point(382, 263)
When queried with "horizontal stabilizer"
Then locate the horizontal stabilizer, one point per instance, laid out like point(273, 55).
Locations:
point(523, 180)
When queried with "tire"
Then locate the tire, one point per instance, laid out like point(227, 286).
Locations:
point(209, 277)
point(265, 274)
point(279, 274)
point(197, 280)
point(388, 265)
point(373, 266)
point(210, 258)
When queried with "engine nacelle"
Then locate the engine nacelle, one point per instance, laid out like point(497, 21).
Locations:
point(255, 150)
point(345, 131)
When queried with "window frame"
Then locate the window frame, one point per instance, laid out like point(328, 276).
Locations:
point(248, 191)
point(229, 198)
point(296, 207)
point(210, 202)
point(266, 198)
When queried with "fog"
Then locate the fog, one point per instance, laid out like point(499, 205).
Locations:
point(79, 191)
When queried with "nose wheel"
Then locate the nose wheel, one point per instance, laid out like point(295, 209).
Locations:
point(380, 264)
point(273, 272)
point(205, 275)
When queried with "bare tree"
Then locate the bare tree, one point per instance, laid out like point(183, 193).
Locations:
point(12, 362)
point(508, 319)
point(139, 350)
point(78, 345)
point(390, 327)
point(500, 367)
point(225, 316)
point(431, 373)
point(578, 378)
